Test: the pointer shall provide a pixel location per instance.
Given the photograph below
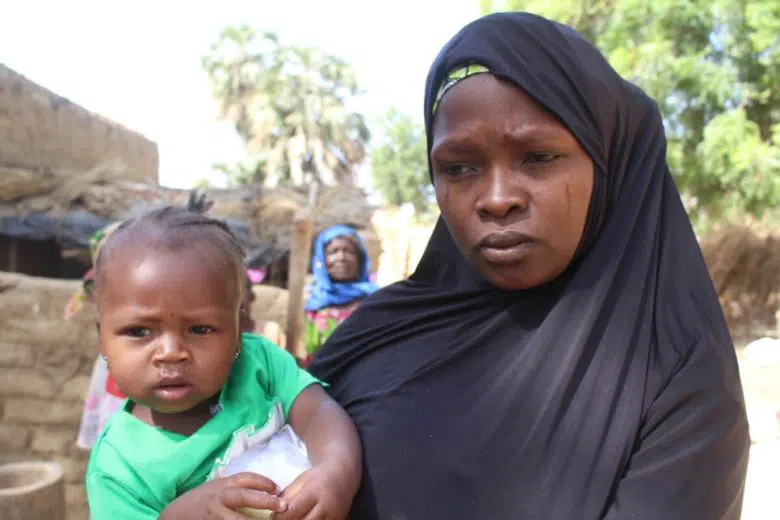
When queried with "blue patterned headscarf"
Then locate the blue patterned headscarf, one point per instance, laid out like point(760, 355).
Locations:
point(325, 292)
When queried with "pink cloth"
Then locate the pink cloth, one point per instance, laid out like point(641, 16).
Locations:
point(100, 405)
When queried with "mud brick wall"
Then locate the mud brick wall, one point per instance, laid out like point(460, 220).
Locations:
point(41, 130)
point(45, 366)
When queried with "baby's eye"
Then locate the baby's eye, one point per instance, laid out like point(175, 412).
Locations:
point(201, 330)
point(136, 332)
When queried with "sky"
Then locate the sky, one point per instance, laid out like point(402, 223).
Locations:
point(138, 63)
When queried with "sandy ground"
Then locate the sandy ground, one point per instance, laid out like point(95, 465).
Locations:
point(761, 381)
point(762, 487)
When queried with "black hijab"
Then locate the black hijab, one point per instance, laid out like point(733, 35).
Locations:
point(612, 392)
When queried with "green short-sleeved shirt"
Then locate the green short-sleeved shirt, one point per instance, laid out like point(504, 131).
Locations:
point(136, 470)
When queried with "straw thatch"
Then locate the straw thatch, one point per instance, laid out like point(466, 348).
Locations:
point(744, 262)
point(266, 213)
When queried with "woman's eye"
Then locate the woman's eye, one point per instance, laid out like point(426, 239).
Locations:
point(456, 170)
point(136, 332)
point(540, 157)
point(201, 330)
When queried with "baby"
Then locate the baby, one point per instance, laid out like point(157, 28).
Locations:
point(169, 288)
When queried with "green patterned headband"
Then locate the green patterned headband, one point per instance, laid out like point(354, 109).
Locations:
point(455, 76)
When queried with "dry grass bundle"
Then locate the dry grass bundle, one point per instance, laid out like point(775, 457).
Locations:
point(270, 304)
point(268, 213)
point(744, 262)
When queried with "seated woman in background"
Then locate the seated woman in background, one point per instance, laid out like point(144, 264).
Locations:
point(341, 281)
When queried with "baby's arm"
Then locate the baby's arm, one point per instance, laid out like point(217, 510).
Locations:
point(330, 436)
point(334, 450)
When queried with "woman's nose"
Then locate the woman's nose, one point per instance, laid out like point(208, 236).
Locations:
point(501, 195)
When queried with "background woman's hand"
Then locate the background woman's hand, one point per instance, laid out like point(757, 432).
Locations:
point(219, 499)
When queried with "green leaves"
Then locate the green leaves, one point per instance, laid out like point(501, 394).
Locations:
point(399, 163)
point(714, 69)
point(289, 105)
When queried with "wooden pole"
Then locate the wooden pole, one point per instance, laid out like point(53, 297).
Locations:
point(300, 255)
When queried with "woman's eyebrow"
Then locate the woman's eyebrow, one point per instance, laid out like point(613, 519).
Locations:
point(539, 134)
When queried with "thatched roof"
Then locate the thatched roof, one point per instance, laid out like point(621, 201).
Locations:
point(70, 208)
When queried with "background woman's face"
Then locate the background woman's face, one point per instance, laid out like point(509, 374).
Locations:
point(342, 260)
point(512, 183)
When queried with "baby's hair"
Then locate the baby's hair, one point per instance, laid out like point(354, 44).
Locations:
point(176, 228)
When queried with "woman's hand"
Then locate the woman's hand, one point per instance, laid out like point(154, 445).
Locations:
point(321, 493)
point(221, 499)
point(326, 491)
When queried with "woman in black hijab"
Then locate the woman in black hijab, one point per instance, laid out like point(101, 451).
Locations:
point(559, 352)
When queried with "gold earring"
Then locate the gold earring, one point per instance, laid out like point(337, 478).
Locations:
point(238, 351)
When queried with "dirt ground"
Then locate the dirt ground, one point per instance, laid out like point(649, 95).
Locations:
point(761, 381)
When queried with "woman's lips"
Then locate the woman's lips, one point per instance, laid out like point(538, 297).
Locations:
point(505, 247)
point(507, 255)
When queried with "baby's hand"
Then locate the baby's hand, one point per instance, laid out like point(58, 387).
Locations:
point(320, 493)
point(223, 498)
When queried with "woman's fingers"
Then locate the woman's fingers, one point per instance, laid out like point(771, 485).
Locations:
point(299, 506)
point(235, 498)
point(254, 481)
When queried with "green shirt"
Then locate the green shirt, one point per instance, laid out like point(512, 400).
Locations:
point(136, 470)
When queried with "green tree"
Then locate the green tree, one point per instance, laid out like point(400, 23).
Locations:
point(251, 172)
point(289, 105)
point(714, 69)
point(399, 163)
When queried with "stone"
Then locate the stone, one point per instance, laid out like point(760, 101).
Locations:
point(53, 440)
point(16, 355)
point(75, 495)
point(75, 388)
point(40, 411)
point(74, 469)
point(13, 438)
point(25, 382)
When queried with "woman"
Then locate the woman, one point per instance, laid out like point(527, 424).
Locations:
point(559, 352)
point(103, 396)
point(341, 280)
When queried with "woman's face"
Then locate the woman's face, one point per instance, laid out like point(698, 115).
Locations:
point(342, 260)
point(512, 183)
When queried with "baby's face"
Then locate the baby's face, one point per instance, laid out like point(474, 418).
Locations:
point(169, 324)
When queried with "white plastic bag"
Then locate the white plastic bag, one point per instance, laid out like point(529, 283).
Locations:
point(282, 459)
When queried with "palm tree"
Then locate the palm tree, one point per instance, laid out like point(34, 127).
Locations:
point(289, 105)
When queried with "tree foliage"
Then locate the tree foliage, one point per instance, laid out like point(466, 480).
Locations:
point(289, 104)
point(399, 163)
point(714, 69)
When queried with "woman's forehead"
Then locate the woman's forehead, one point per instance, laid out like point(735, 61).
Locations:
point(484, 100)
point(342, 240)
